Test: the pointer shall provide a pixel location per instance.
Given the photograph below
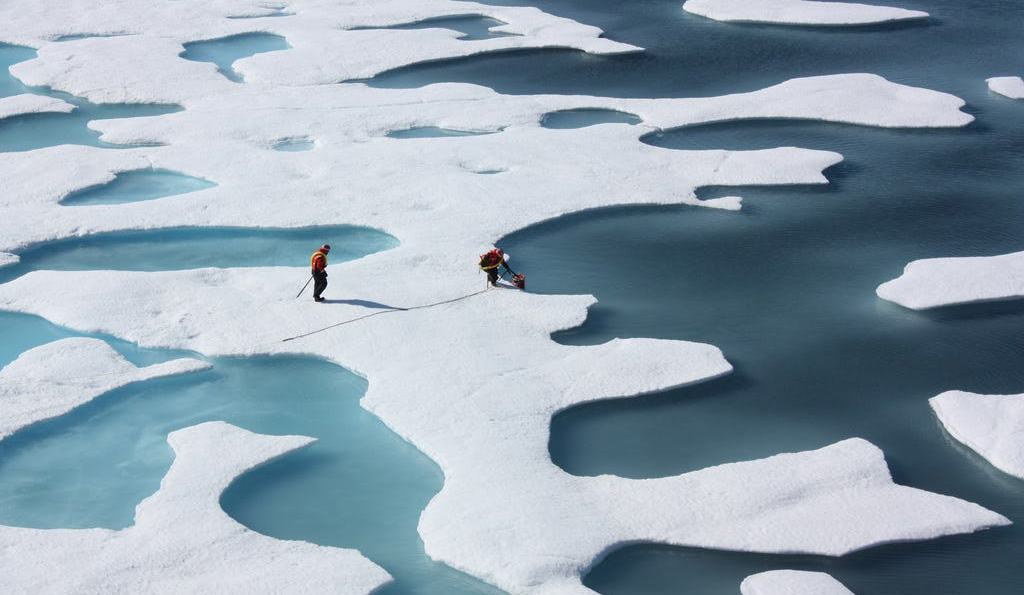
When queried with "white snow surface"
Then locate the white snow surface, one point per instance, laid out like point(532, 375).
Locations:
point(991, 425)
point(934, 282)
point(7, 259)
point(792, 582)
point(324, 46)
point(799, 12)
point(472, 383)
point(1009, 86)
point(182, 542)
point(52, 379)
point(27, 103)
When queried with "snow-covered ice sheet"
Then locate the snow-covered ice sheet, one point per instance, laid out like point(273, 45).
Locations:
point(799, 12)
point(54, 378)
point(934, 282)
point(27, 103)
point(792, 582)
point(349, 123)
point(476, 401)
point(1009, 86)
point(182, 542)
point(991, 425)
point(325, 46)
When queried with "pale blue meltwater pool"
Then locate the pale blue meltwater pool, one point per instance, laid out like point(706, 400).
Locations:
point(785, 288)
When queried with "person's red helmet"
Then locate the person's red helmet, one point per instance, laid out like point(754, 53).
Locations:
point(326, 247)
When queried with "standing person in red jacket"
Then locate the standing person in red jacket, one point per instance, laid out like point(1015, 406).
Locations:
point(318, 263)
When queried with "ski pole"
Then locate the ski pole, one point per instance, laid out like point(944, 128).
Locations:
point(304, 287)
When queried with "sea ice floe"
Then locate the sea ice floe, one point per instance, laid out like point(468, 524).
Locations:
point(991, 425)
point(934, 282)
point(799, 12)
point(473, 383)
point(481, 407)
point(1009, 86)
point(7, 259)
point(182, 541)
point(55, 378)
point(257, 187)
point(325, 46)
point(792, 582)
point(28, 103)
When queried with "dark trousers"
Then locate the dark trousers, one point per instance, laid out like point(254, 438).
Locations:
point(319, 283)
point(492, 276)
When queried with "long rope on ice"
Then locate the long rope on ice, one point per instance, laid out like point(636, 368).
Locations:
point(388, 311)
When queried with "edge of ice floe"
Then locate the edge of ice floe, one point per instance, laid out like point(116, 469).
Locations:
point(30, 103)
point(934, 282)
point(1007, 86)
point(182, 540)
point(792, 582)
point(990, 425)
point(800, 12)
point(7, 259)
point(50, 380)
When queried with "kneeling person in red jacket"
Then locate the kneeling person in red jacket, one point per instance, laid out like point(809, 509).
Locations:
point(492, 261)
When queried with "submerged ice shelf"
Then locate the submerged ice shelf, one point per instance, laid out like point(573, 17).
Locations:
point(40, 117)
point(137, 185)
point(991, 425)
point(92, 479)
point(581, 118)
point(471, 27)
point(88, 368)
point(436, 132)
point(225, 51)
point(182, 540)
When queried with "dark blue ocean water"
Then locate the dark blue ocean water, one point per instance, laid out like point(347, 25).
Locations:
point(785, 288)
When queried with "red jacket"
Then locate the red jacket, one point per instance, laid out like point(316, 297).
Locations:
point(318, 262)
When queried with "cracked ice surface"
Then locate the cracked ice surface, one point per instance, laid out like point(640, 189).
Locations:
point(55, 378)
point(27, 103)
point(799, 12)
point(991, 425)
point(182, 541)
point(792, 582)
point(934, 282)
point(478, 402)
point(1008, 86)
